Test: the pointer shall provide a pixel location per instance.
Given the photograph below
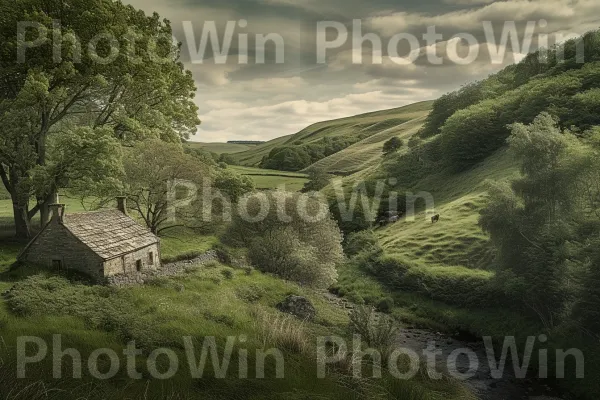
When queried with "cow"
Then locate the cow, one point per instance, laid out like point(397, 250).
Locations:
point(435, 218)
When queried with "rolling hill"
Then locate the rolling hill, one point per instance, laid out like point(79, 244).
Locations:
point(221, 148)
point(374, 128)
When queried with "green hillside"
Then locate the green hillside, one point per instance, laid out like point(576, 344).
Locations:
point(539, 276)
point(252, 157)
point(369, 131)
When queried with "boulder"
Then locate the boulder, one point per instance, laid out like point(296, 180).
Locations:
point(298, 306)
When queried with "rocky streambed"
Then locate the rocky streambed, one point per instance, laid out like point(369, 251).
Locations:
point(480, 380)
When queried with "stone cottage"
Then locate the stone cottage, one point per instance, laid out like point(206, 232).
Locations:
point(99, 244)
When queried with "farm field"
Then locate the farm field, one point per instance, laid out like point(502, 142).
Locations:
point(271, 179)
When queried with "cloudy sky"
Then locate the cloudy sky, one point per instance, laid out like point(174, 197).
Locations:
point(262, 92)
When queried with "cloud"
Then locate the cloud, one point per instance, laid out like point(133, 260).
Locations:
point(262, 101)
point(561, 14)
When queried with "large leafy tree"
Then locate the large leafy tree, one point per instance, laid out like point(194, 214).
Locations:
point(542, 223)
point(161, 182)
point(106, 67)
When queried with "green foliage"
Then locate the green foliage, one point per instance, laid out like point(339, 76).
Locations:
point(44, 98)
point(226, 159)
point(232, 184)
point(534, 221)
point(289, 241)
point(533, 67)
point(421, 160)
point(318, 179)
point(101, 307)
point(392, 145)
point(153, 173)
point(385, 305)
point(300, 156)
point(378, 331)
point(359, 242)
point(452, 285)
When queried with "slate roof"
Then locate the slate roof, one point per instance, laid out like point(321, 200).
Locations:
point(110, 233)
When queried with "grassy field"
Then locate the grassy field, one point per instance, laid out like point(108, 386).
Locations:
point(456, 240)
point(221, 148)
point(271, 179)
point(210, 300)
point(380, 126)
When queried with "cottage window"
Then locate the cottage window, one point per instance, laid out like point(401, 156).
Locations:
point(138, 265)
point(151, 258)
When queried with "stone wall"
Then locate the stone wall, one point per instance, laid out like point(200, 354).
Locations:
point(55, 242)
point(127, 264)
point(173, 269)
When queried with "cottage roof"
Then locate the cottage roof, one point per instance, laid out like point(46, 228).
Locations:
point(109, 233)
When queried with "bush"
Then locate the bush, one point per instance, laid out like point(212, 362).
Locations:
point(378, 331)
point(453, 285)
point(227, 273)
point(392, 145)
point(363, 241)
point(298, 249)
point(190, 255)
point(385, 305)
point(250, 293)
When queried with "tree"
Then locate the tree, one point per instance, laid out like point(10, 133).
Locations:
point(46, 89)
point(392, 145)
point(533, 220)
point(156, 184)
point(290, 241)
point(317, 180)
point(232, 184)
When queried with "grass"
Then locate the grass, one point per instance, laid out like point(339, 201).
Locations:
point(271, 179)
point(221, 148)
point(379, 126)
point(208, 305)
point(456, 239)
point(181, 242)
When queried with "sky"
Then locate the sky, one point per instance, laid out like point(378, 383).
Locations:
point(306, 74)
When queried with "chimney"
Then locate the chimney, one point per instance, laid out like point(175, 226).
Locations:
point(58, 212)
point(122, 204)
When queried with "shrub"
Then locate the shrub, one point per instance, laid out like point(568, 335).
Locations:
point(452, 285)
point(385, 305)
point(227, 273)
point(363, 241)
point(101, 307)
point(378, 331)
point(392, 145)
point(250, 293)
point(298, 249)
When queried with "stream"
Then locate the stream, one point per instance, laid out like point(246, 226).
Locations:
point(482, 384)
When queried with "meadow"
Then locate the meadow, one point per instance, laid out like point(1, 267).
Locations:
point(270, 179)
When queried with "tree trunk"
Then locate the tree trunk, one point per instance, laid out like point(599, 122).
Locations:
point(22, 225)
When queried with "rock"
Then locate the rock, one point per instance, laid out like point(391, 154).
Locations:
point(298, 306)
